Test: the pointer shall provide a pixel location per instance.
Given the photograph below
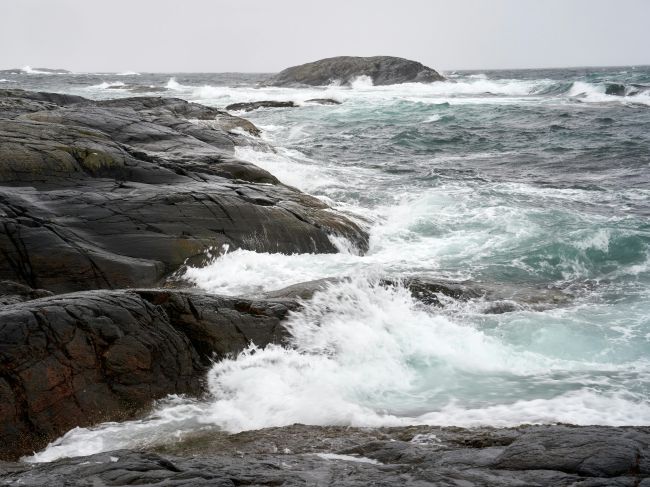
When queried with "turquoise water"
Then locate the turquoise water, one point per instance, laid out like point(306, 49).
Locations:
point(532, 185)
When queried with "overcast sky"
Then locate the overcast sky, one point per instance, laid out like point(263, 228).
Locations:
point(268, 35)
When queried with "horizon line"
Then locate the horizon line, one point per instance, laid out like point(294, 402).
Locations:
point(585, 66)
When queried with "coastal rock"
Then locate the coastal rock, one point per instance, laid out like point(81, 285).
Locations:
point(323, 101)
point(425, 290)
point(77, 359)
point(120, 193)
point(616, 89)
point(544, 456)
point(492, 299)
point(13, 292)
point(254, 105)
point(382, 70)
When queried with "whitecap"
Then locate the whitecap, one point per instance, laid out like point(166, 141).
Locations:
point(433, 118)
point(366, 355)
point(172, 84)
point(106, 85)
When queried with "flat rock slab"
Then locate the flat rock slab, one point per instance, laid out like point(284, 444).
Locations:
point(411, 456)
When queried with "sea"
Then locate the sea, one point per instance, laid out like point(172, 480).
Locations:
point(532, 186)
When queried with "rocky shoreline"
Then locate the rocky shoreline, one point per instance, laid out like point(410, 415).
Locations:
point(101, 203)
point(412, 456)
point(119, 194)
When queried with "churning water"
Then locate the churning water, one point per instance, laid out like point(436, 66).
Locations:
point(533, 183)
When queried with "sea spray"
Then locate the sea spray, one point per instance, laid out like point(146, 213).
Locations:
point(366, 354)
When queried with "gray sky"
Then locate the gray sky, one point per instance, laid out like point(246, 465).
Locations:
point(265, 35)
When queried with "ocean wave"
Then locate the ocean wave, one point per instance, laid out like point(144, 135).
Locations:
point(107, 85)
point(128, 73)
point(362, 354)
point(362, 90)
point(433, 118)
point(483, 229)
point(174, 85)
point(361, 82)
point(177, 418)
point(583, 407)
point(30, 70)
point(598, 93)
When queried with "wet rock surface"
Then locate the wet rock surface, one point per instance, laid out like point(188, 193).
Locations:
point(323, 101)
point(492, 299)
point(119, 193)
point(383, 70)
point(324, 456)
point(254, 105)
point(81, 358)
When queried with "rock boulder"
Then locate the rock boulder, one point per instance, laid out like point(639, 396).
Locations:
point(81, 358)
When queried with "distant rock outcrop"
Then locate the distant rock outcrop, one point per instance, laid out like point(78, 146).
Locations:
point(254, 105)
point(383, 70)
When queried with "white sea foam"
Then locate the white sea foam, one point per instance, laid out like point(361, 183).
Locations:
point(172, 84)
point(362, 82)
point(290, 167)
point(365, 355)
point(450, 227)
point(595, 93)
point(106, 85)
point(582, 407)
point(30, 70)
point(128, 73)
point(433, 118)
point(245, 272)
point(470, 90)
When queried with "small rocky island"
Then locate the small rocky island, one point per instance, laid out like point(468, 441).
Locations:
point(382, 70)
